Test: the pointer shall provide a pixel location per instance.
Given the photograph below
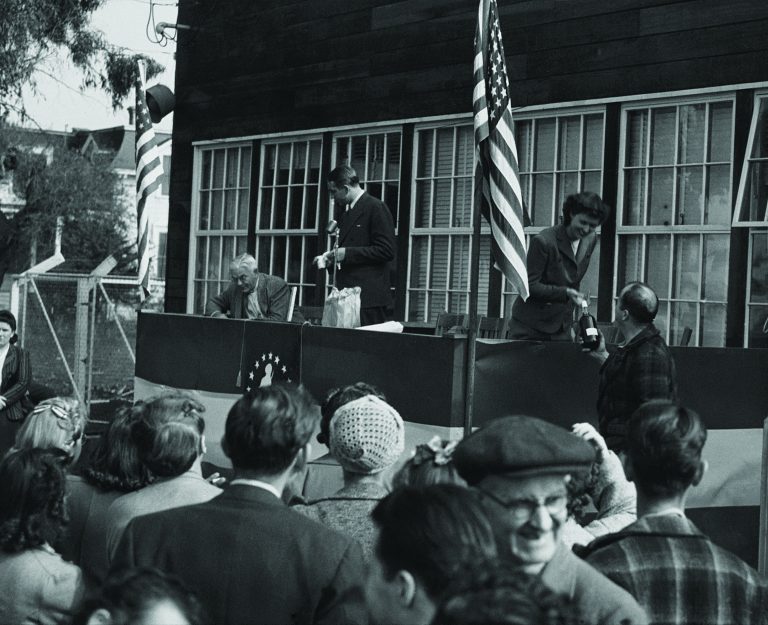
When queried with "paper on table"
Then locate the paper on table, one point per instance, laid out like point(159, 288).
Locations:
point(387, 326)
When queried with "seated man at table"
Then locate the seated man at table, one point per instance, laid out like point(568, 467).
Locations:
point(252, 295)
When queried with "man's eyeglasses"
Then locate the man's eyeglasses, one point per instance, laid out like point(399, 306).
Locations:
point(523, 509)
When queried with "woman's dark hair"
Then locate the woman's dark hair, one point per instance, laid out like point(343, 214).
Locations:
point(6, 316)
point(430, 532)
point(32, 489)
point(491, 593)
point(585, 202)
point(336, 398)
point(431, 463)
point(131, 593)
point(168, 431)
point(115, 463)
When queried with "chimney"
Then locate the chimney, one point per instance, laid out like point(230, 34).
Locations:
point(131, 120)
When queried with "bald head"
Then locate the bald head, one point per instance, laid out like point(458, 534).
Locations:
point(640, 301)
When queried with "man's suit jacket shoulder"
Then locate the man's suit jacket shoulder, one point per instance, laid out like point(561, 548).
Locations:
point(246, 553)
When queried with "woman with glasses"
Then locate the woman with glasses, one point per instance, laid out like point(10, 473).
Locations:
point(15, 377)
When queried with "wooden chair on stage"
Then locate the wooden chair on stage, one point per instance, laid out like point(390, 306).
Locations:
point(455, 323)
point(492, 328)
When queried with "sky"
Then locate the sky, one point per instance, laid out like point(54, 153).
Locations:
point(60, 105)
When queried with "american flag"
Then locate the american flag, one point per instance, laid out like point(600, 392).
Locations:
point(149, 168)
point(496, 172)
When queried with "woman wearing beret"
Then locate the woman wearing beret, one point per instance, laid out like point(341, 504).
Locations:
point(15, 377)
point(558, 258)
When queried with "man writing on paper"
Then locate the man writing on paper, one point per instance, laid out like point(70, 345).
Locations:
point(252, 295)
point(366, 245)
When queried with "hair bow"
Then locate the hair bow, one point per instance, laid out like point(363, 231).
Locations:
point(436, 450)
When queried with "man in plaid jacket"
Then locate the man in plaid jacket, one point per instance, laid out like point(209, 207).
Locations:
point(639, 370)
point(673, 570)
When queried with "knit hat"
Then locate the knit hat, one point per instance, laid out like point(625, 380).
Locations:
point(366, 435)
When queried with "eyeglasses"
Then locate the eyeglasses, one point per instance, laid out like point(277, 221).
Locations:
point(523, 509)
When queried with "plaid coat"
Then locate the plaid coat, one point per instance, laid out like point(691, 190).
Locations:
point(635, 373)
point(679, 576)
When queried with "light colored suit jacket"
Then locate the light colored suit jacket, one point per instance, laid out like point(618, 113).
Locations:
point(186, 489)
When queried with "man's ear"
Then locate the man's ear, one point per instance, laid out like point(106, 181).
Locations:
point(300, 462)
point(100, 617)
point(703, 466)
point(203, 447)
point(406, 588)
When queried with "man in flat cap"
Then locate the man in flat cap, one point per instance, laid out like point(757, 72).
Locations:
point(521, 465)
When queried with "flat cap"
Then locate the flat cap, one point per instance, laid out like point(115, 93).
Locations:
point(521, 446)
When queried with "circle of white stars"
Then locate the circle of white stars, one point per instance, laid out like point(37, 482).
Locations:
point(266, 358)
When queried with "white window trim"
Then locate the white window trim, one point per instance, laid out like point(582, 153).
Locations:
point(736, 223)
point(194, 214)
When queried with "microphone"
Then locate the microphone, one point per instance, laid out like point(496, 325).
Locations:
point(332, 226)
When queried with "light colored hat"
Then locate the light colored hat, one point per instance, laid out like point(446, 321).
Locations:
point(366, 435)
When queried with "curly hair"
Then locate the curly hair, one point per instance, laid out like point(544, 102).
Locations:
point(115, 463)
point(32, 489)
point(130, 594)
point(578, 487)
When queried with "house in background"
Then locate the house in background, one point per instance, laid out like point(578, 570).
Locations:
point(118, 145)
point(661, 107)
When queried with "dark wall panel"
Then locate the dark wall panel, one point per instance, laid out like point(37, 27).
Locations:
point(250, 66)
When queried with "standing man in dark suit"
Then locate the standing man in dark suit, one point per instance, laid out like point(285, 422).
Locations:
point(366, 245)
point(246, 555)
point(558, 258)
point(252, 295)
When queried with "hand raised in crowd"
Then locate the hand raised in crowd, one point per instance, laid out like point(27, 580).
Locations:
point(588, 432)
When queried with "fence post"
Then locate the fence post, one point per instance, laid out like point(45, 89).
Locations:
point(763, 535)
point(82, 313)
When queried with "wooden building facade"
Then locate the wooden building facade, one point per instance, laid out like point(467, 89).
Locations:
point(661, 106)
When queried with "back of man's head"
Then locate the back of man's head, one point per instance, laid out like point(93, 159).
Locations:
point(640, 301)
point(343, 175)
point(168, 433)
point(664, 444)
point(267, 428)
point(431, 532)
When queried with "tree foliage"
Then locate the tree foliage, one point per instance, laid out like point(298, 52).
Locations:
point(63, 186)
point(33, 30)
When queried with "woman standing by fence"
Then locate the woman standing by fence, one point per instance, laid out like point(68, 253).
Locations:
point(15, 377)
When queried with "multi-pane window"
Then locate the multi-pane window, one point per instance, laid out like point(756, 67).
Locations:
point(287, 219)
point(757, 300)
point(752, 212)
point(674, 222)
point(441, 225)
point(557, 156)
point(375, 157)
point(219, 219)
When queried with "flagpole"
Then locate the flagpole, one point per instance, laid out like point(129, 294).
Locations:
point(474, 282)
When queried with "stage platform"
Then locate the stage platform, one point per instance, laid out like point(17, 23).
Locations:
point(424, 378)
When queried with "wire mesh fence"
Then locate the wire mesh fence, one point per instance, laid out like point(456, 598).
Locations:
point(80, 332)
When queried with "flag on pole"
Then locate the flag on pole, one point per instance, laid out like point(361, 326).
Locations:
point(149, 168)
point(496, 171)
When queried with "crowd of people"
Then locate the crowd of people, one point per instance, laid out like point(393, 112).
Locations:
point(490, 529)
point(522, 522)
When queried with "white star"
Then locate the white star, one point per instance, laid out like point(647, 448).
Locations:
point(284, 369)
point(250, 375)
point(248, 388)
point(270, 355)
point(263, 356)
point(277, 359)
point(256, 365)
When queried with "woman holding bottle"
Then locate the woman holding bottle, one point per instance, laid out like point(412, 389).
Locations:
point(558, 258)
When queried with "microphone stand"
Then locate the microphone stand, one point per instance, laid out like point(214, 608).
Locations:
point(336, 266)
